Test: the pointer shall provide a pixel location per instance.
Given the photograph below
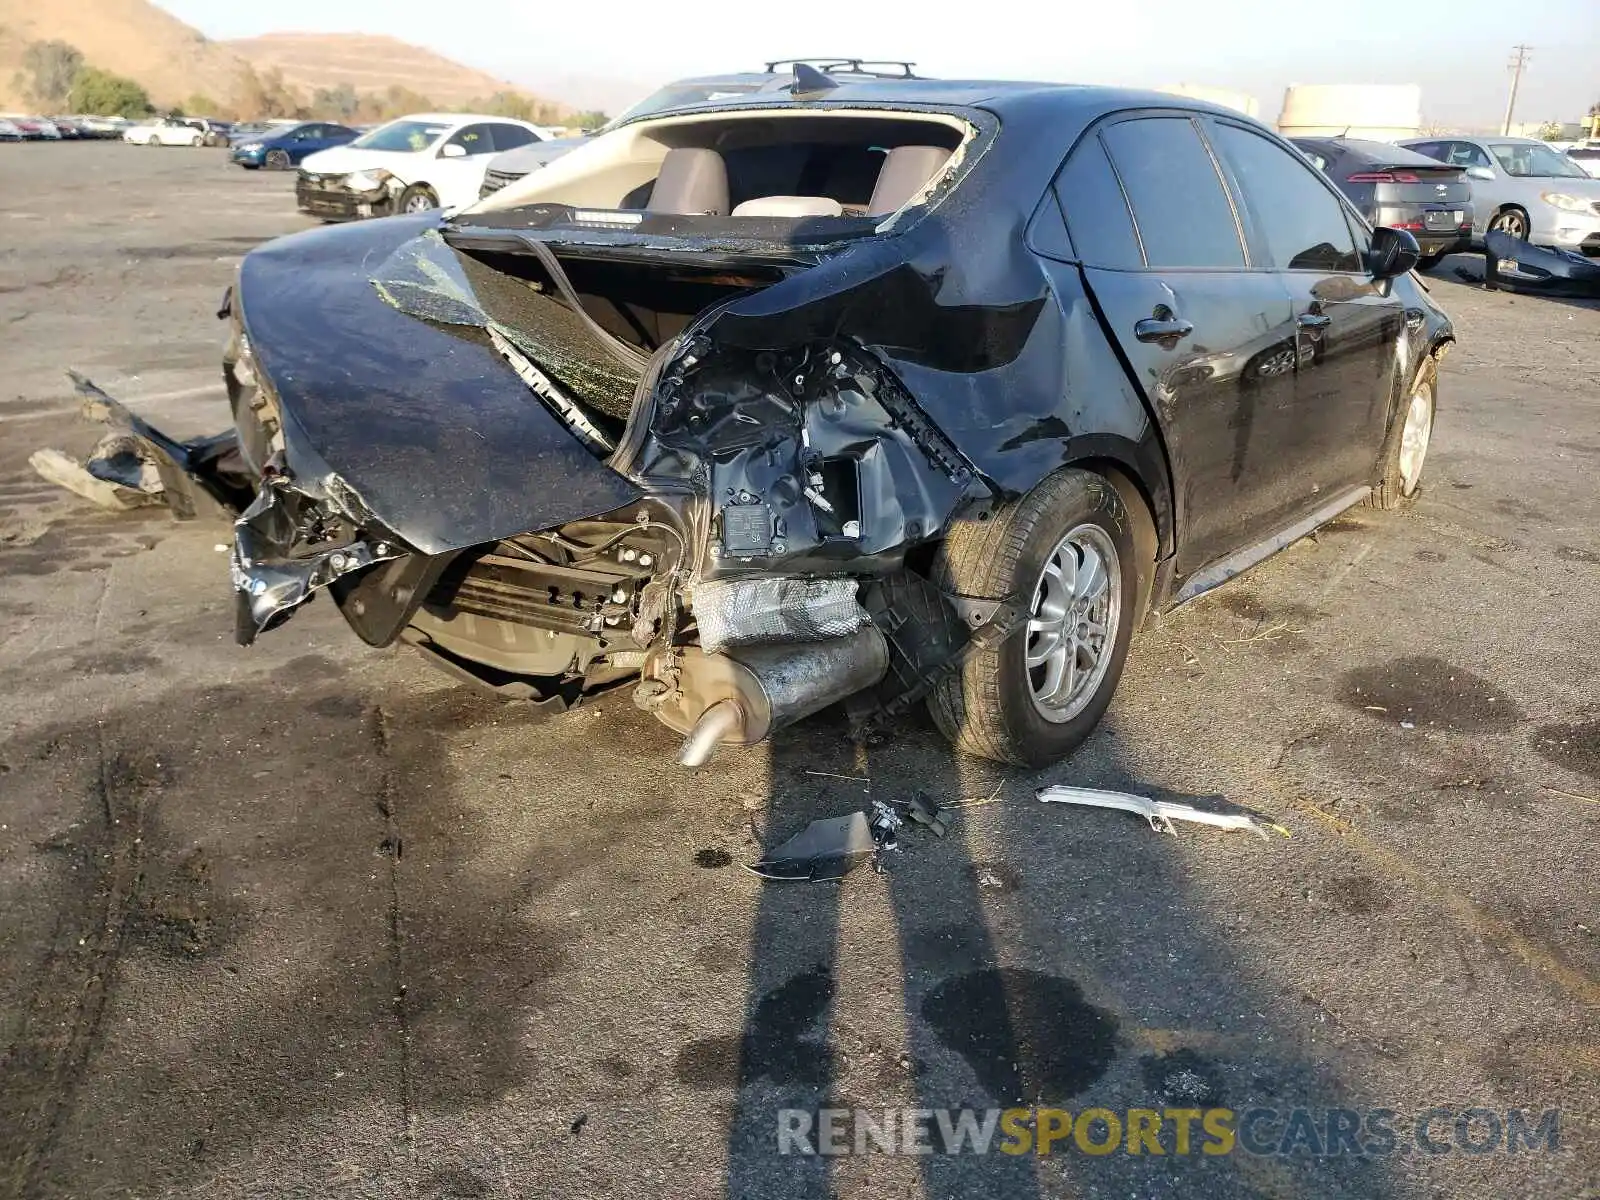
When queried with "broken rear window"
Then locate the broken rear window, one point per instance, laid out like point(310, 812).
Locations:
point(813, 165)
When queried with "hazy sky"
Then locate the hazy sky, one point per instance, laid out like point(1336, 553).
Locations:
point(1455, 49)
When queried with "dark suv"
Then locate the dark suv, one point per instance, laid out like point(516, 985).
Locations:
point(1400, 188)
point(870, 392)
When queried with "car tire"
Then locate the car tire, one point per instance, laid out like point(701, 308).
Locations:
point(197, 141)
point(1512, 221)
point(419, 197)
point(1405, 449)
point(999, 705)
point(277, 160)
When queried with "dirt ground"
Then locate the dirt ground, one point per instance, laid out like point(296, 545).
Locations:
point(306, 919)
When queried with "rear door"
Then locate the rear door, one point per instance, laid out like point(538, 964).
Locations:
point(1208, 336)
point(508, 137)
point(1347, 325)
point(456, 179)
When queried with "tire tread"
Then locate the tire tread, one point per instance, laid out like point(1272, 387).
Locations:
point(976, 556)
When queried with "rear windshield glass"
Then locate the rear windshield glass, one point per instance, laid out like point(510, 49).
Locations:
point(402, 136)
point(1525, 160)
point(676, 95)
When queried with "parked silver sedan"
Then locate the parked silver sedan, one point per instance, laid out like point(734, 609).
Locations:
point(1525, 188)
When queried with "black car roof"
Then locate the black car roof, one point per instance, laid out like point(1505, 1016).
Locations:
point(1371, 152)
point(1082, 101)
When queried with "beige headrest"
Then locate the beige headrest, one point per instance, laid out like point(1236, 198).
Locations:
point(905, 170)
point(789, 206)
point(693, 183)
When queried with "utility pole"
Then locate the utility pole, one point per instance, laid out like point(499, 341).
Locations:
point(1519, 60)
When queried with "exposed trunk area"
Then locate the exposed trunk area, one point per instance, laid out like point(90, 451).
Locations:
point(644, 305)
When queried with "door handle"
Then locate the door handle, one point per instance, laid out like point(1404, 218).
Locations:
point(1311, 320)
point(1153, 329)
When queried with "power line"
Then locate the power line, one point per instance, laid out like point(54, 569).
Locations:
point(1518, 61)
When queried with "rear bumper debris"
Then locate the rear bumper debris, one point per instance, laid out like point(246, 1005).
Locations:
point(1518, 266)
point(137, 464)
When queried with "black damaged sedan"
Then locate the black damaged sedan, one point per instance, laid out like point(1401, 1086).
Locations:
point(883, 395)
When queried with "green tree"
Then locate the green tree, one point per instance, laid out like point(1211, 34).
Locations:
point(201, 105)
point(102, 93)
point(267, 95)
point(341, 102)
point(505, 104)
point(589, 120)
point(399, 100)
point(48, 72)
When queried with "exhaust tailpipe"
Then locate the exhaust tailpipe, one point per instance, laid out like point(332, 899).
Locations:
point(722, 719)
point(746, 692)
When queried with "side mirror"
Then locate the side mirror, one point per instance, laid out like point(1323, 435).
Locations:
point(1393, 252)
point(1479, 173)
point(453, 150)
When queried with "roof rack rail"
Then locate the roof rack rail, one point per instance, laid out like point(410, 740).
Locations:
point(889, 68)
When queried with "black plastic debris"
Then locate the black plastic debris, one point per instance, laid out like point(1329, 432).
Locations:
point(831, 848)
point(1513, 265)
point(927, 814)
point(826, 849)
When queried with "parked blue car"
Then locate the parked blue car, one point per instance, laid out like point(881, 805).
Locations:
point(283, 147)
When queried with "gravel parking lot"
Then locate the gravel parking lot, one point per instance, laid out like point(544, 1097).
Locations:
point(305, 919)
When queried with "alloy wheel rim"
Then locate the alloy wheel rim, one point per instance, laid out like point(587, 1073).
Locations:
point(418, 204)
point(1509, 222)
point(1414, 437)
point(1072, 623)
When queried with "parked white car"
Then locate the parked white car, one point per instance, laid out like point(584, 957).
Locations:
point(412, 164)
point(165, 132)
point(9, 131)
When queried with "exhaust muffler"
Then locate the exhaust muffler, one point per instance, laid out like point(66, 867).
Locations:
point(744, 693)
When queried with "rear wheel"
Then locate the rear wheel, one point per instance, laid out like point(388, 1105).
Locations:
point(1511, 221)
point(277, 160)
point(198, 140)
point(1064, 556)
point(419, 197)
point(1406, 450)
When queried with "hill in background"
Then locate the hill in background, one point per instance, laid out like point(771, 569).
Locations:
point(129, 37)
point(175, 63)
point(367, 62)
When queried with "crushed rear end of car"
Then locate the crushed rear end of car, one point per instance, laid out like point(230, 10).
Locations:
point(558, 449)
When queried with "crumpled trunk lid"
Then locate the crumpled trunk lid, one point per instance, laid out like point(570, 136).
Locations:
point(423, 419)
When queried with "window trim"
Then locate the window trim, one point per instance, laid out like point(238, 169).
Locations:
point(1048, 203)
point(1477, 148)
point(1345, 205)
point(1194, 118)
